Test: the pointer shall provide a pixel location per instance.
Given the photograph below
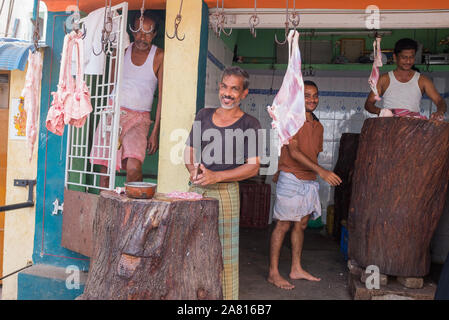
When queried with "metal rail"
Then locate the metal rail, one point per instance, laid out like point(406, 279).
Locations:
point(29, 203)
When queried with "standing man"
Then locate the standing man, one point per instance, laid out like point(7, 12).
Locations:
point(142, 75)
point(297, 196)
point(402, 88)
point(216, 165)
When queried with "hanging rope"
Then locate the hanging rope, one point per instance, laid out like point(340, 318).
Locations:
point(36, 27)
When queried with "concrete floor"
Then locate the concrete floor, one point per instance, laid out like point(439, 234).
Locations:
point(321, 257)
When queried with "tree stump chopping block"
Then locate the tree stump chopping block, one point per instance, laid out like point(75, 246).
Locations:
point(398, 193)
point(155, 249)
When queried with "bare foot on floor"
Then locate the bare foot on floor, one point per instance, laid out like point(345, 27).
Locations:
point(301, 274)
point(280, 282)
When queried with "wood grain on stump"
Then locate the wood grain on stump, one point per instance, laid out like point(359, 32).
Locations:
point(344, 168)
point(155, 249)
point(398, 193)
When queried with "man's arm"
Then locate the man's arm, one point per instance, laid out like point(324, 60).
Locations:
point(206, 177)
point(328, 176)
point(153, 142)
point(431, 91)
point(370, 103)
point(245, 171)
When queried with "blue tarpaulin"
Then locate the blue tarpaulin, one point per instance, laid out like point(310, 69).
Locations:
point(14, 54)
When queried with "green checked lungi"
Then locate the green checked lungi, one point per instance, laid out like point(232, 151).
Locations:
point(228, 198)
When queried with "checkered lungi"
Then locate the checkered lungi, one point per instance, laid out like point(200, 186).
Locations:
point(228, 198)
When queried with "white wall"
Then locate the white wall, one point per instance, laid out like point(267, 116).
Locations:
point(22, 10)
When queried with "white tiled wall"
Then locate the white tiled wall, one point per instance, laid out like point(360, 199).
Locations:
point(224, 56)
point(341, 107)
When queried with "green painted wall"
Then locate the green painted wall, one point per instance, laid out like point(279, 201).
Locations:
point(263, 45)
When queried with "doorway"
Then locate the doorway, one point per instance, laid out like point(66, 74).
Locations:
point(4, 115)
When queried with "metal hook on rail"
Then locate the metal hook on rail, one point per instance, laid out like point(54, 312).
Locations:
point(141, 19)
point(178, 20)
point(220, 21)
point(287, 24)
point(106, 40)
point(254, 21)
point(294, 17)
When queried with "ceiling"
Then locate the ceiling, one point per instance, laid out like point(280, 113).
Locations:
point(89, 5)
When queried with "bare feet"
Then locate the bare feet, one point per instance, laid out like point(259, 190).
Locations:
point(279, 281)
point(301, 274)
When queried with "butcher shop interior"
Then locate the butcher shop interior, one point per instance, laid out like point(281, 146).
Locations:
point(200, 39)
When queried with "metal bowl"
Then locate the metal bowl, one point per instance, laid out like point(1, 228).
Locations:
point(140, 190)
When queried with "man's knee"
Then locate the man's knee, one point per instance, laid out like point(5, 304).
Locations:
point(133, 169)
point(302, 225)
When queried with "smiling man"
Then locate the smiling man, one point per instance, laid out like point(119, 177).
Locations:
point(297, 196)
point(402, 88)
point(224, 153)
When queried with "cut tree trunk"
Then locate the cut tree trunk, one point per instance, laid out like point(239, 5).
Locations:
point(155, 249)
point(398, 193)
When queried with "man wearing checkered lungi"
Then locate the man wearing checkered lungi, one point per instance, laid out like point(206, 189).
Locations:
point(222, 150)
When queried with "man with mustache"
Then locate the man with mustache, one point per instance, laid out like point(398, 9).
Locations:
point(142, 75)
point(216, 164)
point(402, 89)
point(297, 197)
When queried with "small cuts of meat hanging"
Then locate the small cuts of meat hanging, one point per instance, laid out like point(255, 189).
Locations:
point(71, 102)
point(288, 109)
point(377, 62)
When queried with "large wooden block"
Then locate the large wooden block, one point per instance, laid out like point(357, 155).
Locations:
point(398, 193)
point(155, 249)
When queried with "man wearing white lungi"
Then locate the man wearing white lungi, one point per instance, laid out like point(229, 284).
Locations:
point(297, 194)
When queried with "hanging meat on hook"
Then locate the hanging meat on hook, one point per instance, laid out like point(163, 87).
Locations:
point(288, 109)
point(71, 102)
point(30, 95)
point(377, 62)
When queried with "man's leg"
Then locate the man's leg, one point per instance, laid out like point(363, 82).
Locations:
point(297, 238)
point(133, 170)
point(277, 237)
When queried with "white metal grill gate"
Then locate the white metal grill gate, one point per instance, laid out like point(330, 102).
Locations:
point(80, 174)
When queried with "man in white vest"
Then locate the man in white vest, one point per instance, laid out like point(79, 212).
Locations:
point(142, 75)
point(402, 88)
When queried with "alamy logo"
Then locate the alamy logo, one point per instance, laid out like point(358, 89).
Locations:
point(373, 280)
point(372, 20)
point(73, 279)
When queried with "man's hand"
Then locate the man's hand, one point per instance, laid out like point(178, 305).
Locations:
point(206, 177)
point(439, 115)
point(153, 143)
point(330, 177)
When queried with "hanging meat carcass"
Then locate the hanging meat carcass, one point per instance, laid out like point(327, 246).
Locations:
point(377, 62)
point(288, 109)
point(30, 94)
point(71, 102)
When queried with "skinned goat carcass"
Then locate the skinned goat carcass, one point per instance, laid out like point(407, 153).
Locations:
point(377, 62)
point(288, 109)
point(30, 95)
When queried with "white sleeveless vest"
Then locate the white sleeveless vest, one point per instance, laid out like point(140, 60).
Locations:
point(138, 82)
point(401, 95)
